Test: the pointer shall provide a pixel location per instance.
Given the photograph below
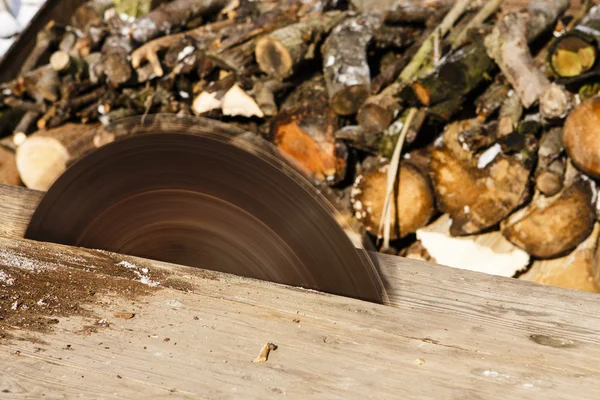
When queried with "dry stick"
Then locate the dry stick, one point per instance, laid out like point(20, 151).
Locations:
point(345, 64)
point(550, 171)
point(508, 46)
point(484, 13)
point(202, 35)
point(171, 16)
point(391, 180)
point(377, 111)
point(411, 70)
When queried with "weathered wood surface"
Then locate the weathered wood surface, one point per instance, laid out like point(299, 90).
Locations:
point(452, 334)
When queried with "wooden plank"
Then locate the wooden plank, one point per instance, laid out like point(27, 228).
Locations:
point(453, 335)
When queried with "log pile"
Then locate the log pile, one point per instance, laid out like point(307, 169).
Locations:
point(464, 133)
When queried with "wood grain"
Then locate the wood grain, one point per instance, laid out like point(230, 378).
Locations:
point(450, 337)
point(452, 334)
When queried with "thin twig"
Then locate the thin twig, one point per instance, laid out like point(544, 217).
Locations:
point(436, 48)
point(411, 70)
point(484, 13)
point(393, 170)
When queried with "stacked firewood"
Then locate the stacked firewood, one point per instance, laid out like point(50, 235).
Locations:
point(455, 131)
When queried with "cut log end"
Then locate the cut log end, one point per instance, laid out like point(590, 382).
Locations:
point(412, 206)
point(273, 57)
point(40, 161)
point(572, 56)
point(60, 60)
point(349, 99)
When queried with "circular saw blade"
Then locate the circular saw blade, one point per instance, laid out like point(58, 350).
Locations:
point(193, 191)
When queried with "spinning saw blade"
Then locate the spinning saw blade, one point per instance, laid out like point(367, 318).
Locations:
point(195, 192)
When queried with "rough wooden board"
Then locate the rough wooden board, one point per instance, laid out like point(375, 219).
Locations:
point(477, 337)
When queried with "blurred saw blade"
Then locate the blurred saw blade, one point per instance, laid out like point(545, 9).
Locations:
point(200, 193)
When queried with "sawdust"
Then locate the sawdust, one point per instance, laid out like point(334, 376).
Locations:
point(34, 294)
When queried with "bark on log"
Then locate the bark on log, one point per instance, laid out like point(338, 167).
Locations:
point(283, 51)
point(265, 92)
point(171, 16)
point(345, 64)
point(115, 60)
point(508, 46)
point(456, 76)
point(202, 37)
point(553, 226)
point(377, 112)
point(492, 99)
point(509, 115)
point(550, 171)
point(404, 7)
point(46, 38)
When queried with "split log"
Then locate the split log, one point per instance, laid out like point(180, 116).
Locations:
point(172, 16)
point(553, 226)
point(480, 189)
point(550, 171)
point(281, 52)
point(45, 154)
point(412, 207)
point(212, 97)
point(237, 102)
point(304, 129)
point(574, 271)
point(501, 257)
point(345, 64)
point(581, 137)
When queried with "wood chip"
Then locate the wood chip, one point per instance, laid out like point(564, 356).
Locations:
point(124, 315)
point(264, 353)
